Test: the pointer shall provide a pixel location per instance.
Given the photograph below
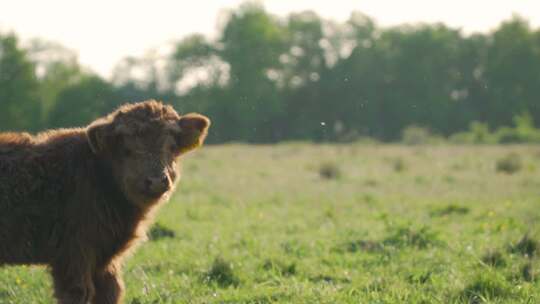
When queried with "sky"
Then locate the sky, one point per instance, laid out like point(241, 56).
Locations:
point(103, 32)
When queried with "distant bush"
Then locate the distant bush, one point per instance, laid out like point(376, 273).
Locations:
point(509, 164)
point(415, 135)
point(523, 132)
point(351, 136)
point(507, 135)
point(479, 133)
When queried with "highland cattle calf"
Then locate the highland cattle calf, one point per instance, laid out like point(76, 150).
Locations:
point(78, 200)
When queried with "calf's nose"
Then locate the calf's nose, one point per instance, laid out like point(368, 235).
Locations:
point(158, 184)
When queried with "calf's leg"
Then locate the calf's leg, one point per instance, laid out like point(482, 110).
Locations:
point(109, 287)
point(72, 287)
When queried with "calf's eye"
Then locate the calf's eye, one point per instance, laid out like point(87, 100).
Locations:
point(127, 152)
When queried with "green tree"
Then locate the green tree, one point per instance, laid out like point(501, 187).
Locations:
point(267, 78)
point(251, 44)
point(305, 64)
point(513, 72)
point(20, 107)
point(193, 54)
point(56, 68)
point(80, 103)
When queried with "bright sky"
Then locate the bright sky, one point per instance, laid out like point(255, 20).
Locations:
point(105, 31)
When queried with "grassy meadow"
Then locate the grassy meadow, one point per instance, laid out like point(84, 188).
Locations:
point(302, 223)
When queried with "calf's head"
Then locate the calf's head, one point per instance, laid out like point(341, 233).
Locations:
point(142, 144)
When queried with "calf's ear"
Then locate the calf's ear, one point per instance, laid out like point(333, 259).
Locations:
point(193, 131)
point(96, 134)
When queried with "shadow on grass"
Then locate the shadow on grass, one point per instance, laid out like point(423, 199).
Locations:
point(494, 258)
point(221, 273)
point(397, 237)
point(160, 231)
point(527, 246)
point(449, 210)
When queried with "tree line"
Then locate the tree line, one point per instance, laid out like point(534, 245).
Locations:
point(301, 77)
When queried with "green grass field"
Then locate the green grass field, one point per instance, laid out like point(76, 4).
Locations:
point(300, 223)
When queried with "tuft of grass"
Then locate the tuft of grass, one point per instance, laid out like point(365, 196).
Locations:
point(364, 245)
point(405, 236)
point(294, 248)
point(330, 279)
point(376, 285)
point(526, 246)
point(283, 269)
point(419, 277)
point(486, 288)
point(494, 258)
point(371, 182)
point(160, 231)
point(221, 273)
point(509, 164)
point(420, 180)
point(398, 237)
point(329, 170)
point(399, 165)
point(450, 209)
point(449, 179)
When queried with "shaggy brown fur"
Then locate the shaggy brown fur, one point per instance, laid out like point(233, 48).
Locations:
point(79, 199)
